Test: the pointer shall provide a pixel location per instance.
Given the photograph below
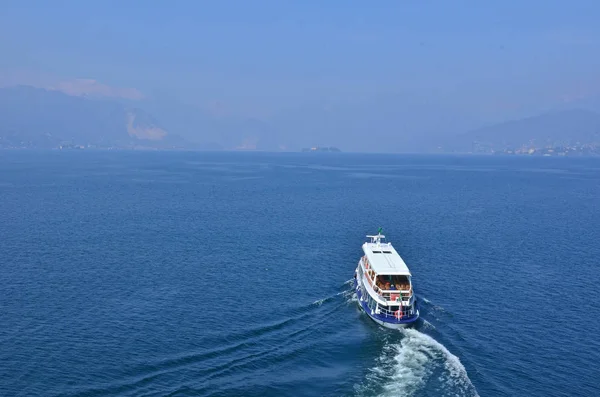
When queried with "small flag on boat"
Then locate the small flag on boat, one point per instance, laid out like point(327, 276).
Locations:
point(380, 230)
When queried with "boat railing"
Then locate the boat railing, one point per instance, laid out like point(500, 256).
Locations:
point(399, 313)
point(395, 295)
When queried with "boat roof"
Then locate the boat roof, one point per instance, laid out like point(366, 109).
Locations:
point(383, 258)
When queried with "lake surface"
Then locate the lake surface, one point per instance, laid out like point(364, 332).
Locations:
point(228, 274)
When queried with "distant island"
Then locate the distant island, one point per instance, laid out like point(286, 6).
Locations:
point(321, 149)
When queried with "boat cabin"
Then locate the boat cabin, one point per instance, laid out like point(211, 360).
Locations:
point(386, 272)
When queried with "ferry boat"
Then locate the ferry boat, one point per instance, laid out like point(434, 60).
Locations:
point(384, 286)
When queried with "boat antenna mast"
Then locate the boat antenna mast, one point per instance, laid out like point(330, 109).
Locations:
point(376, 239)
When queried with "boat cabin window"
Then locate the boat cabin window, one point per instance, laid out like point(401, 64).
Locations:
point(395, 282)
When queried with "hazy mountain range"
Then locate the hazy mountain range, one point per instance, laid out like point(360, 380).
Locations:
point(38, 118)
point(573, 127)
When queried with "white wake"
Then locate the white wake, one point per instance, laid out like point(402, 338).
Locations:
point(417, 363)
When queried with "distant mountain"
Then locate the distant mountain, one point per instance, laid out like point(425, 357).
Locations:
point(211, 131)
point(37, 118)
point(379, 123)
point(393, 123)
point(559, 128)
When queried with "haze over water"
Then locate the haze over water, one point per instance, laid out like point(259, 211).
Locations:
point(218, 274)
point(270, 75)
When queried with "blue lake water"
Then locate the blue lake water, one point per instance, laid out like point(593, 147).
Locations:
point(227, 274)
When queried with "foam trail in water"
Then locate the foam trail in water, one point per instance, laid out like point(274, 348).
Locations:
point(345, 294)
point(348, 294)
point(427, 324)
point(433, 307)
point(418, 363)
point(319, 302)
point(351, 297)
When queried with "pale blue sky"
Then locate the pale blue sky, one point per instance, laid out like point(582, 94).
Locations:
point(493, 59)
